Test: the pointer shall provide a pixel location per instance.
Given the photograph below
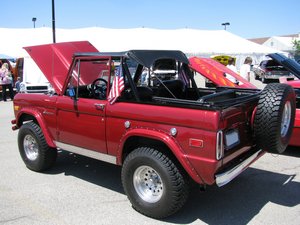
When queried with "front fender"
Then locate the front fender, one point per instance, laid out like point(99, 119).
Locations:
point(40, 120)
point(165, 138)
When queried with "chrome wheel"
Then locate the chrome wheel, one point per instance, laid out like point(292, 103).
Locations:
point(30, 147)
point(153, 183)
point(148, 184)
point(286, 119)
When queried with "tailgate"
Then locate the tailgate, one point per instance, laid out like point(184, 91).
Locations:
point(237, 133)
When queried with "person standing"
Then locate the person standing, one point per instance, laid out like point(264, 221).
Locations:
point(6, 81)
point(231, 65)
point(245, 68)
point(17, 84)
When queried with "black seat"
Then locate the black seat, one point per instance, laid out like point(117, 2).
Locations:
point(145, 93)
point(175, 86)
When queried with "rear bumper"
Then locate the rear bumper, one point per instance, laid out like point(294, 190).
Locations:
point(276, 77)
point(229, 174)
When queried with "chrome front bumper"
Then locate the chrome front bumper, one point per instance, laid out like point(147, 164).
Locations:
point(227, 176)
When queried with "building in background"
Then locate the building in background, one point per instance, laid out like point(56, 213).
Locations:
point(280, 43)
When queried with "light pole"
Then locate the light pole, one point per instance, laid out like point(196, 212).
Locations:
point(33, 20)
point(53, 22)
point(225, 24)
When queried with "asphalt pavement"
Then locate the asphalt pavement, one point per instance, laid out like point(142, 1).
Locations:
point(79, 190)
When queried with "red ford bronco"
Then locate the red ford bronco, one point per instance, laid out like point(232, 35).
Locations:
point(142, 110)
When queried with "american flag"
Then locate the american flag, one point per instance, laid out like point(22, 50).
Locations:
point(117, 86)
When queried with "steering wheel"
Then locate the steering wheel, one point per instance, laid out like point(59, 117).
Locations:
point(98, 88)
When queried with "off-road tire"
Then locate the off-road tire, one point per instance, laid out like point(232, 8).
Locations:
point(271, 130)
point(173, 185)
point(33, 148)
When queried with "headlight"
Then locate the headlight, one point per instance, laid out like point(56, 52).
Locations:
point(22, 88)
point(50, 89)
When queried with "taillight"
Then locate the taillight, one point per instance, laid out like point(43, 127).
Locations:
point(219, 145)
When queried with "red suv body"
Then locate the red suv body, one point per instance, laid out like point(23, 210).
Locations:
point(142, 110)
point(218, 75)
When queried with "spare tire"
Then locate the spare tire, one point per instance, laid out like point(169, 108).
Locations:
point(274, 118)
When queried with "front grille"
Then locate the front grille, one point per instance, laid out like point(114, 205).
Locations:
point(33, 88)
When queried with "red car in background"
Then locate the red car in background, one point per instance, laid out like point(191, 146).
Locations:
point(220, 76)
point(271, 70)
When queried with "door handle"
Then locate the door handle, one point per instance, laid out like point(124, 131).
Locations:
point(99, 106)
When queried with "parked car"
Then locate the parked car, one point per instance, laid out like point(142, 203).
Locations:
point(216, 72)
point(223, 59)
point(297, 58)
point(165, 134)
point(293, 67)
point(32, 78)
point(271, 70)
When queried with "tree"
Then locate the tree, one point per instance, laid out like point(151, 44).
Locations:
point(296, 45)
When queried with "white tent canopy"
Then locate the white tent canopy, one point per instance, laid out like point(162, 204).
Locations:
point(190, 41)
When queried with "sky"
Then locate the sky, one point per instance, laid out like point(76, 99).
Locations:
point(248, 19)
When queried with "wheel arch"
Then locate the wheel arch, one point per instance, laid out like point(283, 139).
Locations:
point(27, 115)
point(157, 139)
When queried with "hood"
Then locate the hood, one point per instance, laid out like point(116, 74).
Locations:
point(215, 72)
point(290, 64)
point(54, 60)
